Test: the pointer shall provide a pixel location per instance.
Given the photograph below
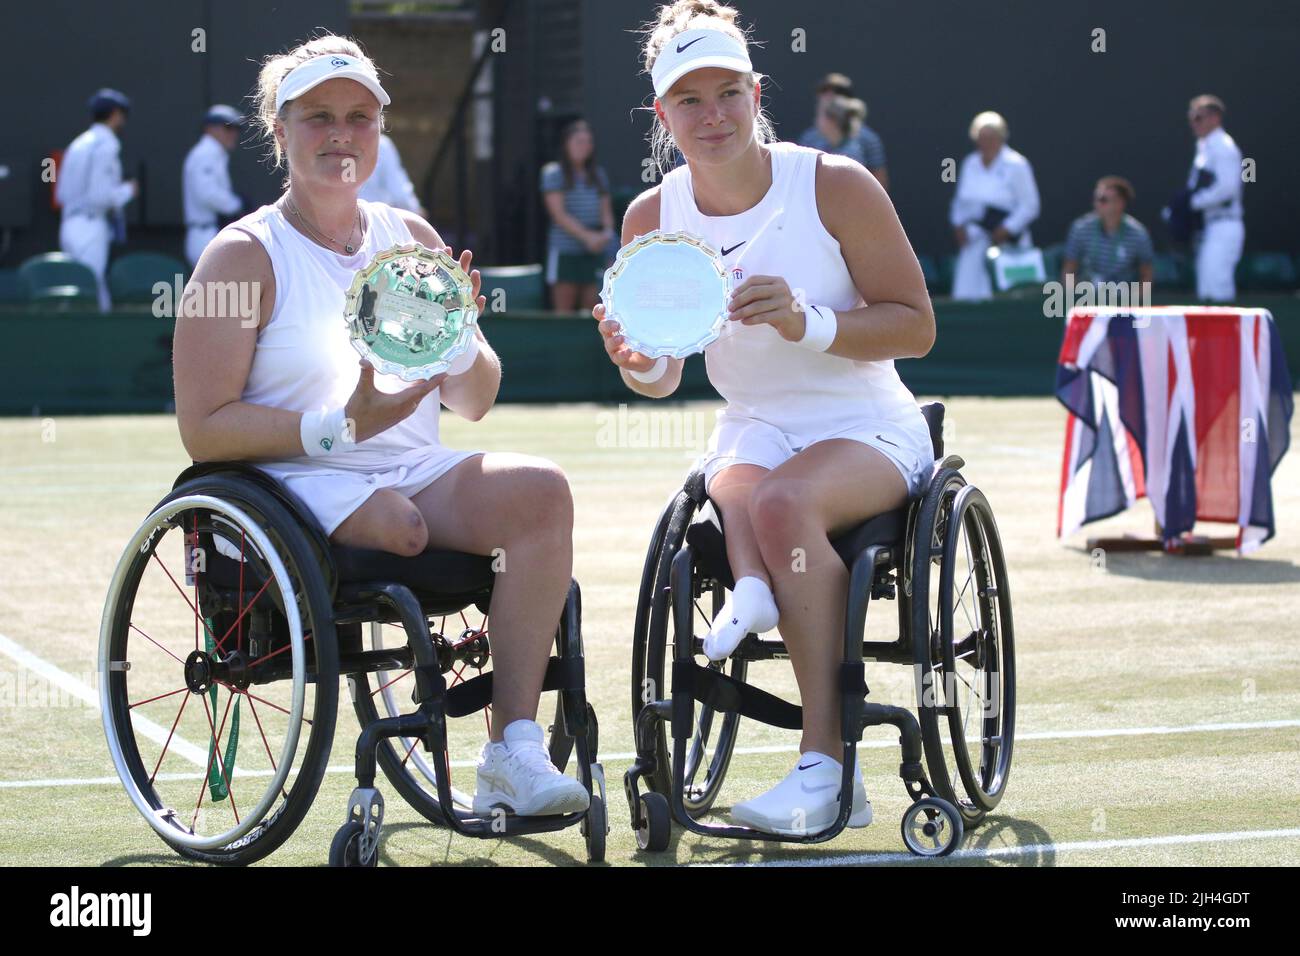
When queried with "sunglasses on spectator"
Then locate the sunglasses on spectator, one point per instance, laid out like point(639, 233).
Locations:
point(1101, 200)
point(1196, 117)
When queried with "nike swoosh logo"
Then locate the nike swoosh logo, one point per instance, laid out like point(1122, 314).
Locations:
point(886, 440)
point(808, 789)
point(810, 766)
point(725, 250)
point(696, 40)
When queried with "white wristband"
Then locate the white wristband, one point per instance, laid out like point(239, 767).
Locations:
point(820, 326)
point(322, 430)
point(656, 371)
point(465, 361)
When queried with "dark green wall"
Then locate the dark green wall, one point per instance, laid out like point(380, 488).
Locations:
point(121, 362)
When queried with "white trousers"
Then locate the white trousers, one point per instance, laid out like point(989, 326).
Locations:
point(86, 239)
point(1216, 260)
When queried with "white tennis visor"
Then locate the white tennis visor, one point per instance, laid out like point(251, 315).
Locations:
point(694, 50)
point(312, 73)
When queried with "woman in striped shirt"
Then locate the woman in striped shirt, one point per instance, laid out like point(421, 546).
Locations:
point(582, 220)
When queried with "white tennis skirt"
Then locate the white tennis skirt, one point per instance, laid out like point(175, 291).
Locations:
point(333, 493)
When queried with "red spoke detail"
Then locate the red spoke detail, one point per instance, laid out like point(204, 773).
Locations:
point(156, 644)
point(251, 696)
point(266, 657)
point(181, 591)
point(410, 750)
point(171, 693)
point(265, 743)
point(221, 764)
point(241, 615)
point(167, 743)
point(203, 782)
point(391, 682)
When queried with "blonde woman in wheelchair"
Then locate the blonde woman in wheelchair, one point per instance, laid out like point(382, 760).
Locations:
point(818, 432)
point(282, 388)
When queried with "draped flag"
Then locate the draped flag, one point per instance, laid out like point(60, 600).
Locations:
point(1188, 407)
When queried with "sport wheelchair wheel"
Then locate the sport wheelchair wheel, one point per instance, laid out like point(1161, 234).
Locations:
point(217, 621)
point(714, 739)
point(466, 652)
point(963, 645)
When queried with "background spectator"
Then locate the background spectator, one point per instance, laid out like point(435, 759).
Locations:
point(996, 200)
point(1215, 181)
point(866, 146)
point(577, 197)
point(1107, 244)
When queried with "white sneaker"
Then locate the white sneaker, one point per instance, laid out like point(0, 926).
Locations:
point(806, 801)
point(517, 774)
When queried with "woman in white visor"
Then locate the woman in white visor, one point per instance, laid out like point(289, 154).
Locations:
point(818, 432)
point(279, 384)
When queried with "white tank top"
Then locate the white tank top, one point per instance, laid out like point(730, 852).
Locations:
point(760, 374)
point(305, 360)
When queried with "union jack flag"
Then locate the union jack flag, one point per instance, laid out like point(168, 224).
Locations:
point(1188, 407)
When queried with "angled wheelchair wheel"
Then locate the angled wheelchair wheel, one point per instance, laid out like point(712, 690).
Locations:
point(462, 640)
point(963, 643)
point(714, 738)
point(219, 671)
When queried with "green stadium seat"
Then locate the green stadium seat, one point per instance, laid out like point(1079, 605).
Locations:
point(131, 279)
point(523, 288)
point(55, 270)
point(1266, 272)
point(947, 269)
point(65, 297)
point(13, 290)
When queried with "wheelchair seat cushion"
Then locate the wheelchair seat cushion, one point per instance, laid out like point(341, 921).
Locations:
point(431, 572)
point(705, 538)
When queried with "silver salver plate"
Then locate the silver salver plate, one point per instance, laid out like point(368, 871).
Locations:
point(668, 291)
point(411, 312)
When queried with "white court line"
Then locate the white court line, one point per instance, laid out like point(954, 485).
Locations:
point(770, 749)
point(858, 859)
point(155, 732)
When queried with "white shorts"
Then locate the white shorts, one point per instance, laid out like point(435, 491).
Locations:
point(737, 440)
point(334, 493)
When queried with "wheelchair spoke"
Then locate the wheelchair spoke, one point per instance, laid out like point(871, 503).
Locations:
point(184, 700)
point(156, 644)
point(266, 657)
point(215, 738)
point(198, 618)
point(265, 743)
point(390, 683)
point(150, 700)
point(248, 608)
point(260, 700)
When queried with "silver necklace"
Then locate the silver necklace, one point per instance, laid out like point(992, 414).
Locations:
point(348, 247)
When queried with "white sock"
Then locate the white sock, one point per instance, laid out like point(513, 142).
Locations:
point(751, 607)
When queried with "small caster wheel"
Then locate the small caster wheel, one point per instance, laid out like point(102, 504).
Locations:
point(656, 823)
point(594, 828)
point(345, 849)
point(932, 827)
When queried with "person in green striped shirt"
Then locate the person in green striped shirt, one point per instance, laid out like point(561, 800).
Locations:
point(1107, 244)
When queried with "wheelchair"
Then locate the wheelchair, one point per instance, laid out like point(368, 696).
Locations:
point(939, 558)
point(230, 601)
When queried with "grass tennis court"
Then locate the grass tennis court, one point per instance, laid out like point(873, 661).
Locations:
point(1158, 698)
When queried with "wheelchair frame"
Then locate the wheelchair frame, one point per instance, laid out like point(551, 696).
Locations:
point(933, 825)
point(286, 532)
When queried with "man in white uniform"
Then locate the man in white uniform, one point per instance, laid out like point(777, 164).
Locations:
point(390, 184)
point(1217, 184)
point(205, 179)
point(91, 191)
point(996, 200)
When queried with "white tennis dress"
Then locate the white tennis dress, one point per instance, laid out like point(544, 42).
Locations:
point(305, 362)
point(782, 397)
